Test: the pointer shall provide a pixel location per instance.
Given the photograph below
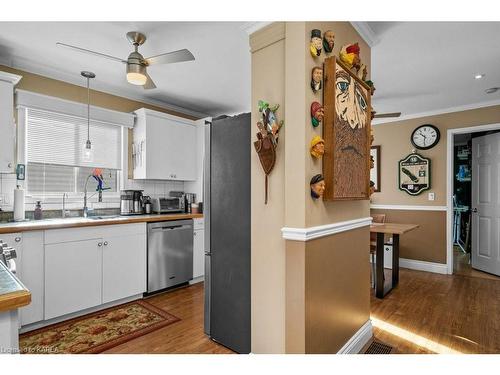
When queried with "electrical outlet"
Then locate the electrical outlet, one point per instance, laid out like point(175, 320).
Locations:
point(432, 196)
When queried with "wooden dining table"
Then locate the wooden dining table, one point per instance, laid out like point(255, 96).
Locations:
point(394, 229)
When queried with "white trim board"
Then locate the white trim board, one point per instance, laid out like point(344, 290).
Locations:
point(406, 207)
point(365, 31)
point(358, 340)
point(311, 233)
point(460, 108)
point(420, 265)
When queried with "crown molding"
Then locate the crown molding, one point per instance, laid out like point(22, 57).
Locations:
point(311, 233)
point(10, 78)
point(251, 27)
point(436, 112)
point(366, 32)
point(50, 72)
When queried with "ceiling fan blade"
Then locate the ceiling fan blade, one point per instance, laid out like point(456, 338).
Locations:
point(386, 115)
point(171, 57)
point(83, 50)
point(149, 83)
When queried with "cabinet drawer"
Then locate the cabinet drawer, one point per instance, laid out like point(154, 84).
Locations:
point(98, 231)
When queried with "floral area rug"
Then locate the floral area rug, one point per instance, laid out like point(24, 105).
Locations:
point(98, 331)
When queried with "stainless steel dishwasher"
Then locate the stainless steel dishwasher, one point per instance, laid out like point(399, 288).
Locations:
point(170, 253)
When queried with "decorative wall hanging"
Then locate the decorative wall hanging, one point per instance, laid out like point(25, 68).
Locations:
point(375, 167)
point(349, 55)
point(414, 174)
point(316, 43)
point(328, 41)
point(316, 78)
point(346, 164)
point(267, 138)
point(362, 72)
point(371, 86)
point(317, 113)
point(317, 147)
point(317, 186)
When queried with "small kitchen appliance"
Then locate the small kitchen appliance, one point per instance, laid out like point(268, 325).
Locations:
point(167, 205)
point(131, 202)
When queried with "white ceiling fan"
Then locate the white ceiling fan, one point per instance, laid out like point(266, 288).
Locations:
point(136, 64)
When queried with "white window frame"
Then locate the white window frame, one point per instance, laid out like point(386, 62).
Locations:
point(26, 99)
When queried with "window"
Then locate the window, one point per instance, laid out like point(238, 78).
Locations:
point(54, 144)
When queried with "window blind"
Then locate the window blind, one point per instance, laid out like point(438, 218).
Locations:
point(58, 139)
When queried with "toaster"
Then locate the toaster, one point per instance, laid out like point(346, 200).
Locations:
point(168, 205)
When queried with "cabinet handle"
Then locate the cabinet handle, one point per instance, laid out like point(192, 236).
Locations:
point(194, 233)
point(17, 239)
point(99, 244)
point(105, 243)
point(9, 165)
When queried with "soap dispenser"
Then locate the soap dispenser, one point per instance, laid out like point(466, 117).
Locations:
point(38, 210)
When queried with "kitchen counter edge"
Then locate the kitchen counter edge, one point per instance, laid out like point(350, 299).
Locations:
point(53, 224)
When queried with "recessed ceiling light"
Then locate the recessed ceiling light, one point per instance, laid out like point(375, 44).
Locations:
point(479, 76)
point(492, 90)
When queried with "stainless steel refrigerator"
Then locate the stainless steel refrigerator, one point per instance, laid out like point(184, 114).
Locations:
point(227, 231)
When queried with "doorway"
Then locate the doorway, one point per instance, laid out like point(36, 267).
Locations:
point(472, 236)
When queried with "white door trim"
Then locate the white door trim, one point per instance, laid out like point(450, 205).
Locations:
point(449, 184)
point(406, 207)
point(358, 340)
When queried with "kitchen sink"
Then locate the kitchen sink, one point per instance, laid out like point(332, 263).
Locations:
point(103, 217)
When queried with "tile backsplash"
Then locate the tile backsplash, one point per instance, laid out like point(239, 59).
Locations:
point(153, 188)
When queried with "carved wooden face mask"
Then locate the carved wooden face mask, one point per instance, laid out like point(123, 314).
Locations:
point(316, 43)
point(317, 186)
point(316, 78)
point(328, 41)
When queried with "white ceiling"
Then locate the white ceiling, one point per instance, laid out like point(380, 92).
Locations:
point(420, 67)
point(217, 82)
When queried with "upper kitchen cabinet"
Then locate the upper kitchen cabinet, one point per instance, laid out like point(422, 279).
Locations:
point(164, 147)
point(7, 125)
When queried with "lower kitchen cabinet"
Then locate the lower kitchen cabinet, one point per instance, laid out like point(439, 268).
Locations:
point(73, 276)
point(198, 253)
point(123, 267)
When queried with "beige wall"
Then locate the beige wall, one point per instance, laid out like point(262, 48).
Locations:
point(394, 139)
point(286, 322)
point(268, 248)
point(428, 243)
point(52, 87)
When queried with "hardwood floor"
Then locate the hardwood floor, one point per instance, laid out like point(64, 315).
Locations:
point(184, 337)
point(433, 313)
point(461, 266)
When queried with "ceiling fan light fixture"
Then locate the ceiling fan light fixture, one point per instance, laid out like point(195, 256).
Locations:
point(136, 74)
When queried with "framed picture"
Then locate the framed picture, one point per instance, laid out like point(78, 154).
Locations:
point(346, 131)
point(375, 171)
point(414, 174)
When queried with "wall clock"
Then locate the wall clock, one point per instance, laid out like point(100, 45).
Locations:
point(425, 137)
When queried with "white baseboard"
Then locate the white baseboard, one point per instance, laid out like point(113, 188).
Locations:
point(421, 265)
point(196, 280)
point(358, 340)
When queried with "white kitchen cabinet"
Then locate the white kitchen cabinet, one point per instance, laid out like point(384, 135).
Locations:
point(73, 276)
point(198, 248)
point(198, 253)
point(30, 269)
point(164, 147)
point(123, 267)
point(7, 124)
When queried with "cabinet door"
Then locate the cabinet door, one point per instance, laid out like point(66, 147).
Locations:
point(29, 247)
point(7, 127)
point(171, 149)
point(124, 267)
point(198, 253)
point(73, 277)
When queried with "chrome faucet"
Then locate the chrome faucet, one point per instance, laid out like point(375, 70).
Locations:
point(64, 212)
point(85, 208)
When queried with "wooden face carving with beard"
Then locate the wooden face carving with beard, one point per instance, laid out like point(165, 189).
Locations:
point(350, 137)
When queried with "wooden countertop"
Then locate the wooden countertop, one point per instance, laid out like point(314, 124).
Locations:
point(13, 294)
point(59, 223)
point(392, 228)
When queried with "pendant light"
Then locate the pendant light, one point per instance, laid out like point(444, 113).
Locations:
point(88, 153)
